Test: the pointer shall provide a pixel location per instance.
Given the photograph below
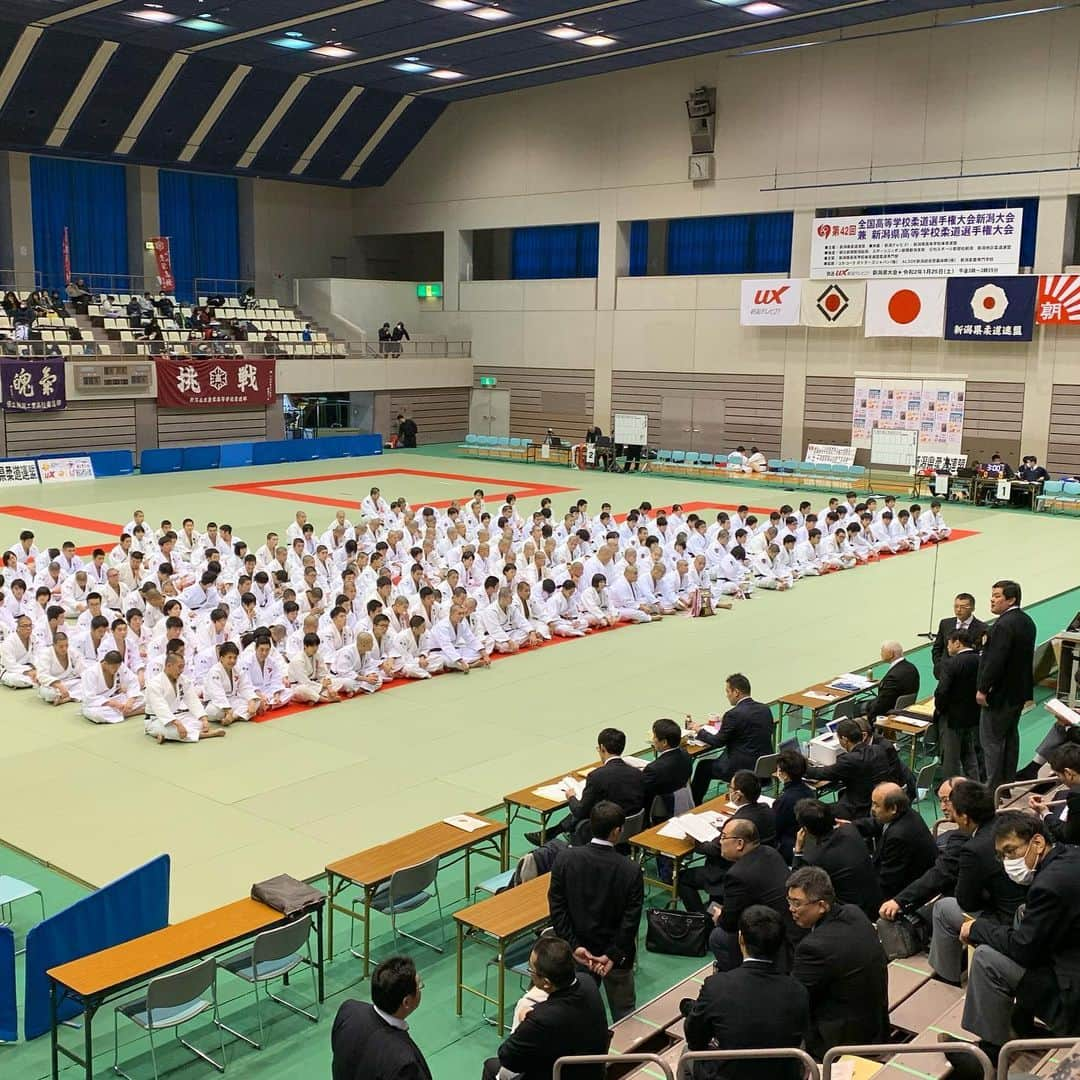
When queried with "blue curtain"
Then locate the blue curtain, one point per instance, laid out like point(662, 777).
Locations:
point(736, 244)
point(555, 251)
point(639, 248)
point(199, 215)
point(1029, 204)
point(91, 200)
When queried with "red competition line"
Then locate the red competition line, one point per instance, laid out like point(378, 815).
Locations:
point(50, 517)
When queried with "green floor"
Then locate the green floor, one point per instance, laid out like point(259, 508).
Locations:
point(292, 794)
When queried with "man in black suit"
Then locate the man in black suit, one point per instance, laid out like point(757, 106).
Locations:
point(840, 851)
point(669, 772)
point(840, 962)
point(757, 875)
point(570, 1021)
point(955, 709)
point(900, 680)
point(903, 847)
point(1032, 965)
point(861, 766)
point(614, 781)
point(1062, 828)
point(372, 1042)
point(981, 883)
point(1006, 682)
point(743, 793)
point(752, 1007)
point(746, 733)
point(963, 618)
point(596, 896)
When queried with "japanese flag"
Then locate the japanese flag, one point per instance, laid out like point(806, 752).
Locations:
point(833, 303)
point(903, 308)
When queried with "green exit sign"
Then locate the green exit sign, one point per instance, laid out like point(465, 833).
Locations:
point(431, 290)
point(488, 380)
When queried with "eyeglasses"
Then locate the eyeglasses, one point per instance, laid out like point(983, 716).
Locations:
point(796, 904)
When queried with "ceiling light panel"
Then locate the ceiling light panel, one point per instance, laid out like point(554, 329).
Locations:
point(491, 14)
point(566, 33)
point(764, 10)
point(596, 41)
point(154, 15)
point(447, 74)
point(334, 52)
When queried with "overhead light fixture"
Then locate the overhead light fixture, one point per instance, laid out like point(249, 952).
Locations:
point(290, 42)
point(565, 33)
point(763, 9)
point(492, 14)
point(154, 15)
point(453, 5)
point(412, 67)
point(446, 73)
point(596, 41)
point(209, 26)
point(334, 52)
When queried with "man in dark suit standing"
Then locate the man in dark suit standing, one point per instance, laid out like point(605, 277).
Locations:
point(840, 962)
point(963, 618)
point(614, 781)
point(372, 1042)
point(1006, 682)
point(956, 710)
point(753, 1007)
point(746, 733)
point(903, 847)
point(596, 896)
point(570, 1021)
point(669, 772)
point(841, 852)
point(900, 680)
point(861, 766)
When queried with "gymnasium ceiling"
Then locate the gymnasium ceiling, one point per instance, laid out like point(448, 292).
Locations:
point(341, 93)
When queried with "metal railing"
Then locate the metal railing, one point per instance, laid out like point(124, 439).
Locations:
point(876, 1050)
point(1016, 1046)
point(230, 287)
point(247, 350)
point(611, 1059)
point(685, 1069)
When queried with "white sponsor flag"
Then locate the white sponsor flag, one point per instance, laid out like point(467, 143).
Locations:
point(770, 302)
point(905, 308)
point(835, 303)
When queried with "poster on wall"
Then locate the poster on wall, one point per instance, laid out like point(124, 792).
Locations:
point(1058, 303)
point(990, 309)
point(836, 304)
point(63, 470)
point(770, 302)
point(905, 308)
point(933, 407)
point(214, 384)
point(951, 243)
point(33, 385)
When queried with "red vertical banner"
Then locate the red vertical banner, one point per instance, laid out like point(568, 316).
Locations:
point(164, 264)
point(66, 249)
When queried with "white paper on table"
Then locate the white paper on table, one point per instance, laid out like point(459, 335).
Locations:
point(712, 729)
point(766, 800)
point(860, 682)
point(914, 721)
point(672, 829)
point(573, 786)
point(551, 792)
point(816, 696)
point(638, 763)
point(465, 822)
point(697, 828)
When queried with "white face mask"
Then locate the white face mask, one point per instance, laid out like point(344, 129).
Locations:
point(1018, 870)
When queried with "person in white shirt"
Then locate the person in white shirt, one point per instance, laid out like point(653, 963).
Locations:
point(59, 672)
point(295, 531)
point(174, 712)
point(228, 691)
point(16, 657)
point(413, 647)
point(768, 575)
point(756, 462)
point(358, 666)
point(570, 619)
point(69, 561)
point(110, 692)
point(631, 600)
point(810, 554)
point(906, 528)
point(838, 552)
point(309, 676)
point(596, 606)
point(455, 641)
point(374, 506)
point(787, 561)
point(932, 525)
point(506, 624)
point(265, 671)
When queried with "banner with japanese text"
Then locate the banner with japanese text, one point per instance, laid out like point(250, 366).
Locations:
point(215, 384)
point(163, 254)
point(990, 309)
point(33, 385)
point(1058, 303)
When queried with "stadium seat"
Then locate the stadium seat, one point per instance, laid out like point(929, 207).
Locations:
point(1052, 490)
point(678, 457)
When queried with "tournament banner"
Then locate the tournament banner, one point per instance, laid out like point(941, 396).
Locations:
point(33, 385)
point(905, 308)
point(163, 254)
point(932, 407)
point(770, 302)
point(990, 309)
point(62, 470)
point(937, 244)
point(830, 454)
point(1059, 300)
point(839, 303)
point(214, 384)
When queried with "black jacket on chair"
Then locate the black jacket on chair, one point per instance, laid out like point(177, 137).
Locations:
point(903, 850)
point(1046, 941)
point(366, 1047)
point(954, 697)
point(860, 770)
point(752, 1007)
point(842, 964)
point(844, 857)
point(614, 781)
point(901, 679)
point(746, 733)
point(596, 896)
point(939, 650)
point(981, 882)
point(1005, 665)
point(571, 1021)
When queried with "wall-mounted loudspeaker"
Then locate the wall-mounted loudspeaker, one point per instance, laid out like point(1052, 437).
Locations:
point(701, 116)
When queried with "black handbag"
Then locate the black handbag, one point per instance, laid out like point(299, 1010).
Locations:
point(677, 933)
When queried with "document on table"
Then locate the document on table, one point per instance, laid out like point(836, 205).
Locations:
point(700, 827)
point(638, 763)
point(851, 682)
point(465, 822)
point(552, 792)
point(818, 696)
point(914, 721)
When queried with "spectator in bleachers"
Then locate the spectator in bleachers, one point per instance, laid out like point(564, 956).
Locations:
point(384, 338)
point(134, 312)
point(570, 1020)
point(305, 334)
point(1064, 825)
point(10, 304)
point(752, 1007)
point(372, 1042)
point(152, 333)
point(56, 301)
point(1029, 967)
point(79, 295)
point(23, 320)
point(841, 964)
point(111, 309)
point(271, 348)
point(165, 306)
point(248, 300)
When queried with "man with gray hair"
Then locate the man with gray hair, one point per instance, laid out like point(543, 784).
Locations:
point(901, 679)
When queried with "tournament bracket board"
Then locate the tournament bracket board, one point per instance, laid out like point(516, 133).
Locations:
point(893, 446)
point(933, 406)
point(631, 429)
